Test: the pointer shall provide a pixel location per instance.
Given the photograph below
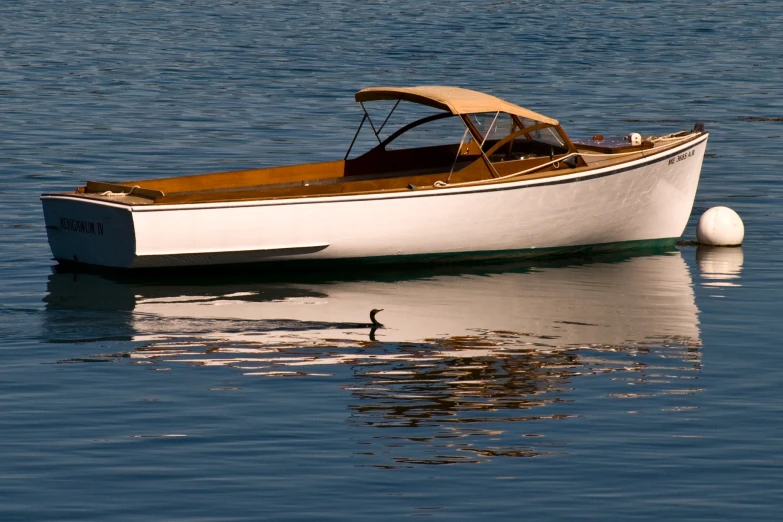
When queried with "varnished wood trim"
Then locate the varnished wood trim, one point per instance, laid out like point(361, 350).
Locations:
point(241, 178)
point(136, 190)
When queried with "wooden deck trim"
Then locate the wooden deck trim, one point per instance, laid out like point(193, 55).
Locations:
point(476, 171)
point(243, 178)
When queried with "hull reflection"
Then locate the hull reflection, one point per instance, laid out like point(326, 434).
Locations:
point(463, 358)
point(623, 301)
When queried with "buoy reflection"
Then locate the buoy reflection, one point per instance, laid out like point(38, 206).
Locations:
point(719, 266)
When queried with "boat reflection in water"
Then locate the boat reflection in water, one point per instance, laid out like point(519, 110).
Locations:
point(464, 355)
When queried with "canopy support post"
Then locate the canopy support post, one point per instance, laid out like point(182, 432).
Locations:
point(389, 116)
point(459, 150)
point(477, 135)
point(355, 136)
point(486, 135)
point(377, 137)
point(489, 164)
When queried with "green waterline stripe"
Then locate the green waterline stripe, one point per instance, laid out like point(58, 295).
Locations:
point(568, 254)
point(525, 253)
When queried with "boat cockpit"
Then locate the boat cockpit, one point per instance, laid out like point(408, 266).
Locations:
point(492, 132)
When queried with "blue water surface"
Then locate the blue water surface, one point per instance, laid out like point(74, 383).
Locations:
point(642, 386)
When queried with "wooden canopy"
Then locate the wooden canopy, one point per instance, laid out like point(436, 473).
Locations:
point(453, 99)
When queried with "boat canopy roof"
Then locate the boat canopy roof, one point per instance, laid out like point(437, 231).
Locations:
point(453, 99)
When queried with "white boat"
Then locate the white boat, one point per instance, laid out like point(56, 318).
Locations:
point(514, 183)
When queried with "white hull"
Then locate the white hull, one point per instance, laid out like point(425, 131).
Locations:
point(644, 200)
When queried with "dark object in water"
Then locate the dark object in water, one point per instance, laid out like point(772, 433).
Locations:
point(759, 118)
point(373, 313)
point(375, 324)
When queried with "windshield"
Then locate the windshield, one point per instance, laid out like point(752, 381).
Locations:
point(412, 126)
point(504, 137)
point(493, 125)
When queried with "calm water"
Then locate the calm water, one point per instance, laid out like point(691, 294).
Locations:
point(613, 387)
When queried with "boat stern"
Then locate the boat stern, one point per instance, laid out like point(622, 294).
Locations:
point(83, 230)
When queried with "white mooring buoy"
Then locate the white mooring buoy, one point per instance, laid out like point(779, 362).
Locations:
point(720, 226)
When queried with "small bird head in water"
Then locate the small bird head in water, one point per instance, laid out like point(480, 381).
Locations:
point(373, 313)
